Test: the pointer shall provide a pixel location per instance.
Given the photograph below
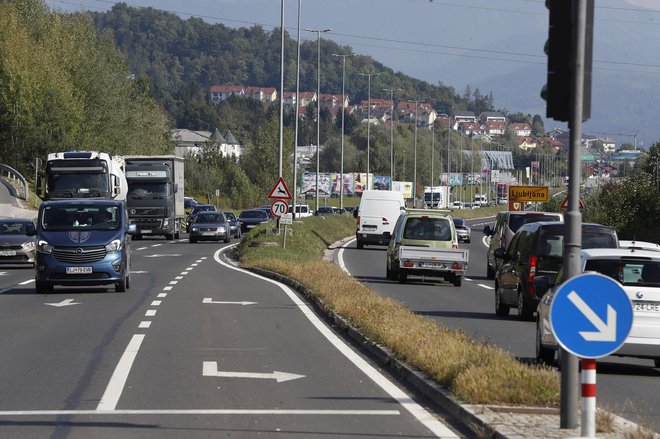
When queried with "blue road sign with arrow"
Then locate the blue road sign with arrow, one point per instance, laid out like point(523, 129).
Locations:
point(591, 315)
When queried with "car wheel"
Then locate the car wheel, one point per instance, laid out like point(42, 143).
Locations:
point(402, 276)
point(490, 273)
point(500, 308)
point(543, 355)
point(457, 280)
point(120, 287)
point(657, 363)
point(524, 312)
point(192, 241)
point(227, 238)
point(42, 288)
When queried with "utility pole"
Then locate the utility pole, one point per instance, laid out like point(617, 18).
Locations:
point(391, 90)
point(343, 110)
point(368, 75)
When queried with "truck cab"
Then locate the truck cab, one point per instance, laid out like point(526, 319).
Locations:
point(82, 243)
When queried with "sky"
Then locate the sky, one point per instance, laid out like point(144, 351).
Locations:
point(495, 45)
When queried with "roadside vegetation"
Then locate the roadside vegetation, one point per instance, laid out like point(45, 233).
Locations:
point(474, 371)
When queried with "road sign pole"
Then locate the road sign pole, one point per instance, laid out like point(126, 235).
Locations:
point(588, 397)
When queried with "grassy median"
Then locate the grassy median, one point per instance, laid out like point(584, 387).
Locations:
point(475, 372)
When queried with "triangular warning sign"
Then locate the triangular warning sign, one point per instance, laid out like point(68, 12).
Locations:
point(564, 204)
point(280, 191)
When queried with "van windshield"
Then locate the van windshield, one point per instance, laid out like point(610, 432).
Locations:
point(80, 218)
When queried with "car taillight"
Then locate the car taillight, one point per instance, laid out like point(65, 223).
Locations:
point(457, 267)
point(385, 220)
point(454, 246)
point(407, 264)
point(531, 275)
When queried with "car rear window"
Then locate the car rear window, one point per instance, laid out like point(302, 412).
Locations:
point(254, 214)
point(517, 221)
point(428, 229)
point(627, 272)
point(552, 242)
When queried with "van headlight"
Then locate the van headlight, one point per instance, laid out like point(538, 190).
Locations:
point(115, 245)
point(44, 247)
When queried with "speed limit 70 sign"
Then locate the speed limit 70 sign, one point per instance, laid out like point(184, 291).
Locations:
point(279, 208)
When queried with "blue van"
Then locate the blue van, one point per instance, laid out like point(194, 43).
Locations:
point(83, 242)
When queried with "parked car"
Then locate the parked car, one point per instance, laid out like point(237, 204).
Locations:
point(463, 231)
point(197, 209)
point(537, 249)
point(424, 243)
point(234, 224)
point(252, 218)
point(506, 224)
point(326, 210)
point(16, 246)
point(209, 226)
point(350, 209)
point(638, 272)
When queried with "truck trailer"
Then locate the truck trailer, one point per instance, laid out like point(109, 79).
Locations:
point(155, 195)
point(437, 197)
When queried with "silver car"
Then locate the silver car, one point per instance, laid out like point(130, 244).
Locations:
point(209, 226)
point(638, 272)
point(16, 247)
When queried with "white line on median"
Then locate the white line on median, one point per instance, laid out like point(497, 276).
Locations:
point(120, 375)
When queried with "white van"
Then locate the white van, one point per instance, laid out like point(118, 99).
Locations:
point(376, 215)
point(302, 210)
point(480, 200)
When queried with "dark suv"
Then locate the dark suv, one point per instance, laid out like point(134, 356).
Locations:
point(506, 224)
point(537, 249)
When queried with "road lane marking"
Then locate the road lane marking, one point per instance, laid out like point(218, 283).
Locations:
point(210, 369)
point(420, 413)
point(178, 277)
point(120, 375)
point(488, 287)
point(210, 300)
point(161, 295)
point(156, 302)
point(65, 302)
point(156, 245)
point(340, 257)
point(167, 288)
point(150, 313)
point(142, 248)
point(204, 412)
point(25, 282)
point(174, 282)
point(144, 324)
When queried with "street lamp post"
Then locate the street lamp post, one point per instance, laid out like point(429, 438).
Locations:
point(297, 116)
point(343, 110)
point(318, 107)
point(391, 90)
point(368, 75)
point(415, 162)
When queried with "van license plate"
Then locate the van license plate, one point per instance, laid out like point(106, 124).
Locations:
point(78, 270)
point(145, 231)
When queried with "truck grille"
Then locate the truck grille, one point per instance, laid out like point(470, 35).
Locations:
point(79, 255)
point(146, 211)
point(147, 224)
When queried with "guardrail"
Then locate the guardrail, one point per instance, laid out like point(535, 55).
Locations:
point(15, 176)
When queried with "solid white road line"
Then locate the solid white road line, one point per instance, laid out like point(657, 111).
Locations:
point(340, 257)
point(120, 375)
point(25, 282)
point(203, 412)
point(420, 413)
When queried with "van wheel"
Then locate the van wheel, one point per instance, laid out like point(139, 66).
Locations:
point(42, 288)
point(360, 244)
point(227, 238)
point(403, 277)
point(457, 280)
point(120, 287)
point(657, 363)
point(500, 308)
point(524, 312)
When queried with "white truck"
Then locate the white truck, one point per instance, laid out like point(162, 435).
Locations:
point(156, 195)
point(82, 174)
point(437, 197)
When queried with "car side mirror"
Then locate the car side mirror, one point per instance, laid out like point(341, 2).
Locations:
point(355, 213)
point(541, 284)
point(501, 253)
point(488, 231)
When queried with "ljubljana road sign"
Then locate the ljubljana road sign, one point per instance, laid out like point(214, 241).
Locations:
point(591, 315)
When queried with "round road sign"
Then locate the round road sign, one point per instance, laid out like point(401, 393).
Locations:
point(279, 208)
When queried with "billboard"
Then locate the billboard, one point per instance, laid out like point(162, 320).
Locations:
point(403, 186)
point(309, 183)
point(381, 182)
point(360, 182)
point(347, 181)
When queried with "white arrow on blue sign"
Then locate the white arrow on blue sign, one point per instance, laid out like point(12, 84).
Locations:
point(591, 315)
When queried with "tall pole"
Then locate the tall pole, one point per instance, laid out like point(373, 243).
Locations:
point(415, 164)
point(368, 75)
point(391, 90)
point(295, 112)
point(281, 139)
point(343, 110)
point(318, 107)
point(432, 159)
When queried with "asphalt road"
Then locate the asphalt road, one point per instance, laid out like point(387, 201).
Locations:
point(195, 349)
point(626, 386)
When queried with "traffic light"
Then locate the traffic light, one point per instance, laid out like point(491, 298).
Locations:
point(559, 48)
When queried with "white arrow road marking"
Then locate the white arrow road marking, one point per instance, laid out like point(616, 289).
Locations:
point(605, 331)
point(210, 300)
point(65, 302)
point(156, 255)
point(210, 369)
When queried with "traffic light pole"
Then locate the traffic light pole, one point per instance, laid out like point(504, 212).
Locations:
point(573, 242)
